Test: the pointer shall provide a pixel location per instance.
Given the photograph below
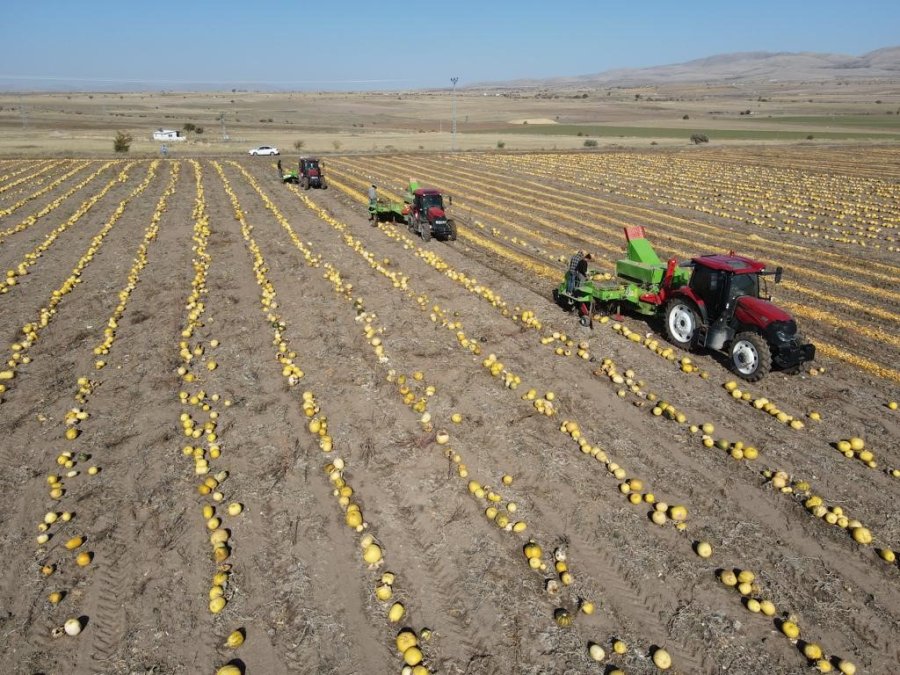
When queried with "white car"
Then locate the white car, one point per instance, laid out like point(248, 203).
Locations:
point(264, 150)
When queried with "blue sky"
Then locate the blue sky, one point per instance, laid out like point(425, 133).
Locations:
point(350, 44)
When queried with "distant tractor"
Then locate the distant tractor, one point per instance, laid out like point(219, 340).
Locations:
point(312, 173)
point(425, 214)
point(712, 301)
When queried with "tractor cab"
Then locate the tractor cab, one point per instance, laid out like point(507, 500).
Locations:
point(720, 279)
point(427, 199)
point(309, 166)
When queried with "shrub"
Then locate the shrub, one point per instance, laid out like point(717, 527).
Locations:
point(697, 139)
point(122, 141)
point(198, 130)
point(501, 145)
point(189, 127)
point(298, 145)
point(686, 117)
point(810, 137)
point(336, 145)
point(590, 143)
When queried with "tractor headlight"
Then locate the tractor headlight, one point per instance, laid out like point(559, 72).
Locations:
point(782, 331)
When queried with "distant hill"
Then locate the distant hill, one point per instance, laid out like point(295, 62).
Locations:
point(736, 67)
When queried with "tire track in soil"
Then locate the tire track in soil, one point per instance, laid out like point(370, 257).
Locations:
point(624, 588)
point(444, 573)
point(106, 610)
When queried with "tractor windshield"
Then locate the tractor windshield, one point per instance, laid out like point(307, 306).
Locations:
point(744, 284)
point(432, 200)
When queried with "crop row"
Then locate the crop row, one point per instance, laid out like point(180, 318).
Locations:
point(812, 204)
point(67, 488)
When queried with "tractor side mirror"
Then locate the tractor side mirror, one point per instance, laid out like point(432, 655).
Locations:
point(778, 271)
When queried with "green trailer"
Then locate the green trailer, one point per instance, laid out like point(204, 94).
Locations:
point(638, 281)
point(382, 210)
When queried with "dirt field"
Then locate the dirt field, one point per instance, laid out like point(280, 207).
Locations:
point(243, 366)
point(85, 123)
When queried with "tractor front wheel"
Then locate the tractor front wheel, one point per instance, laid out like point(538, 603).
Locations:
point(681, 323)
point(452, 235)
point(750, 356)
point(425, 231)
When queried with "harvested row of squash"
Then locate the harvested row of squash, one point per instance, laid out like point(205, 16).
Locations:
point(205, 445)
point(28, 222)
point(55, 523)
point(407, 640)
point(32, 172)
point(31, 331)
point(30, 258)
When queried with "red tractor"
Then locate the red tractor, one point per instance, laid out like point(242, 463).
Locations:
point(425, 214)
point(721, 309)
point(312, 173)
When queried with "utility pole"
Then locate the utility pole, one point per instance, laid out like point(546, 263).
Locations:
point(224, 133)
point(454, 80)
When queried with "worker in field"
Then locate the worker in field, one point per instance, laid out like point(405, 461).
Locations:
point(577, 272)
point(373, 198)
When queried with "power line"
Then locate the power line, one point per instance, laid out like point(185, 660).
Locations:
point(454, 80)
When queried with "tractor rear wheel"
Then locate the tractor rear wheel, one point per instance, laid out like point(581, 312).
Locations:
point(681, 323)
point(750, 356)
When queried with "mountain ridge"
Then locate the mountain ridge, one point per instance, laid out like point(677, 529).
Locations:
point(753, 66)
